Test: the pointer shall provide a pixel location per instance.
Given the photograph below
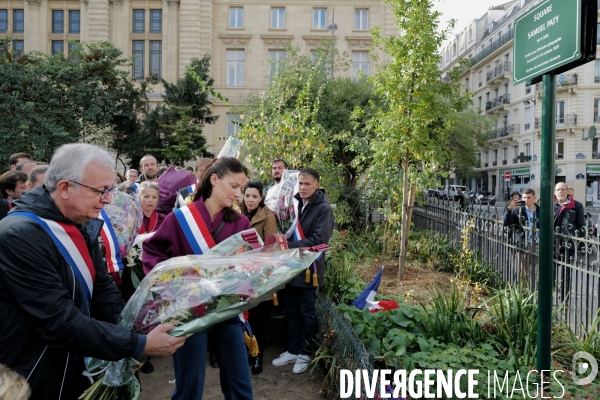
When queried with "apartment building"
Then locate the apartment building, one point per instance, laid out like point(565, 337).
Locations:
point(243, 38)
point(514, 142)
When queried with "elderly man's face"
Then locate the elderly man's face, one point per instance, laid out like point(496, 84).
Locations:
point(84, 203)
point(560, 191)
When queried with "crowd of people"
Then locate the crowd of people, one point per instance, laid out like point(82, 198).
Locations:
point(63, 305)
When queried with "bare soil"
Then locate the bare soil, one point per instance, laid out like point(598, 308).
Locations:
point(274, 383)
point(415, 286)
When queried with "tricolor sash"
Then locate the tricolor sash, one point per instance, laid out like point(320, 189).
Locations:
point(134, 186)
point(73, 248)
point(297, 235)
point(194, 228)
point(190, 189)
point(151, 225)
point(114, 260)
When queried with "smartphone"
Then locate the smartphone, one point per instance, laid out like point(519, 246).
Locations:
point(521, 202)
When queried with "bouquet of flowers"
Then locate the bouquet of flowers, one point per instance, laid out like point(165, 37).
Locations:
point(280, 200)
point(233, 147)
point(195, 292)
point(125, 216)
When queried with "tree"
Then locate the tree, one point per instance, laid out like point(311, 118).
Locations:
point(49, 100)
point(173, 130)
point(412, 130)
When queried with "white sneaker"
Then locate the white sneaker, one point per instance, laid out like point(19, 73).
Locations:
point(284, 358)
point(301, 364)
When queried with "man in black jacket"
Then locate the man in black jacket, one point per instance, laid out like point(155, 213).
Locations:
point(569, 217)
point(314, 227)
point(51, 318)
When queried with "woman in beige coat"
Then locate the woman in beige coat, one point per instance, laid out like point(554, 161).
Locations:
point(262, 219)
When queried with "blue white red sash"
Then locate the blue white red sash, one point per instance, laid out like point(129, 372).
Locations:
point(191, 189)
point(73, 248)
point(194, 228)
point(298, 233)
point(134, 186)
point(114, 260)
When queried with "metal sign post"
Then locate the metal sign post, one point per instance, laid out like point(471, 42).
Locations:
point(551, 37)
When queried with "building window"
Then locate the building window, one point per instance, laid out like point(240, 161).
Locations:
point(3, 21)
point(467, 84)
point(454, 48)
point(505, 154)
point(74, 21)
point(58, 46)
point(72, 45)
point(320, 18)
point(360, 62)
point(138, 59)
point(479, 104)
point(233, 121)
point(495, 157)
point(155, 57)
point(276, 57)
point(236, 17)
point(18, 21)
point(139, 21)
point(480, 77)
point(235, 68)
point(58, 21)
point(597, 71)
point(155, 21)
point(560, 149)
point(596, 110)
point(361, 20)
point(18, 48)
point(527, 149)
point(560, 112)
point(528, 118)
point(277, 18)
point(516, 150)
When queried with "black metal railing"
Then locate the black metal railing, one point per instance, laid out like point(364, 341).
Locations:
point(596, 79)
point(559, 156)
point(504, 162)
point(566, 120)
point(493, 46)
point(504, 131)
point(494, 163)
point(595, 155)
point(513, 253)
point(499, 70)
point(497, 102)
point(527, 126)
point(537, 123)
point(596, 119)
point(527, 89)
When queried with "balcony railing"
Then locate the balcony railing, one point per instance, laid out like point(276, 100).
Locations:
point(538, 86)
point(528, 89)
point(537, 123)
point(497, 102)
point(498, 71)
point(596, 79)
point(596, 119)
point(495, 44)
point(485, 165)
point(527, 126)
point(495, 163)
point(563, 80)
point(595, 155)
point(505, 131)
point(558, 156)
point(566, 120)
point(504, 162)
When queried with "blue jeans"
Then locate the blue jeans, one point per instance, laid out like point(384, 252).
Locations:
point(301, 313)
point(227, 343)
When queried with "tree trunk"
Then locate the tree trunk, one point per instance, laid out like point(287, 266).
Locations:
point(411, 206)
point(404, 231)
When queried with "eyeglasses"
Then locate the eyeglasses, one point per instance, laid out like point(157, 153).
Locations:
point(103, 193)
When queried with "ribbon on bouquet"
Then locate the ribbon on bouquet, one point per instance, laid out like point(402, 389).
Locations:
point(114, 261)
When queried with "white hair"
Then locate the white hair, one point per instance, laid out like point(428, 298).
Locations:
point(70, 160)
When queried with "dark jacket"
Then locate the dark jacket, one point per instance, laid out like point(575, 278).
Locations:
point(316, 221)
point(571, 215)
point(517, 219)
point(44, 334)
point(4, 208)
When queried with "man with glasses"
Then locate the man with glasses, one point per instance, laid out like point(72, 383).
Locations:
point(569, 218)
point(58, 302)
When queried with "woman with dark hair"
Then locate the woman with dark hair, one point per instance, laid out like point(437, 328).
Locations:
point(180, 235)
point(262, 219)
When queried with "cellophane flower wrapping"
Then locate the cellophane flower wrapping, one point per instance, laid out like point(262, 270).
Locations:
point(280, 200)
point(195, 292)
point(233, 147)
point(126, 217)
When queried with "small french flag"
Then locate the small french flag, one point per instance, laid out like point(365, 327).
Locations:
point(367, 297)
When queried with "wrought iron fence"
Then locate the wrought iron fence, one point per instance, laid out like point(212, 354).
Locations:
point(513, 252)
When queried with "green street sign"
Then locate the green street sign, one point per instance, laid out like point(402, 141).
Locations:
point(547, 37)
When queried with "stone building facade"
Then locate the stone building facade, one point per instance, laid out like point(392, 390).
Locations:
point(514, 142)
point(165, 35)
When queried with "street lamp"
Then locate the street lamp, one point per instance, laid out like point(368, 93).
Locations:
point(332, 27)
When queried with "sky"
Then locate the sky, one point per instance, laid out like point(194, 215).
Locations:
point(463, 11)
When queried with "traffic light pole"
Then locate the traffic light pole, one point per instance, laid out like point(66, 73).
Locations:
point(546, 225)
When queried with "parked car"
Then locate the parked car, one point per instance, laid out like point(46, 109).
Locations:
point(450, 191)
